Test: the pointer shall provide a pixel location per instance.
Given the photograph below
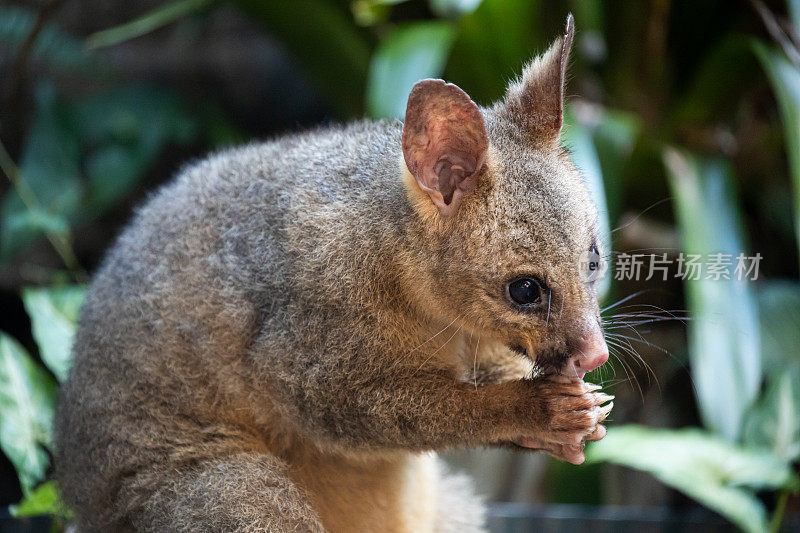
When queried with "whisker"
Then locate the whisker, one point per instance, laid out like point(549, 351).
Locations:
point(618, 228)
point(438, 349)
point(429, 339)
point(622, 301)
point(549, 295)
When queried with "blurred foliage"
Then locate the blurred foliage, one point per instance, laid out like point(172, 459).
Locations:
point(724, 332)
point(711, 470)
point(673, 105)
point(81, 158)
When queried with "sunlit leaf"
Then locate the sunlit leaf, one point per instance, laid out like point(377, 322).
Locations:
point(717, 474)
point(584, 155)
point(54, 315)
point(453, 8)
point(785, 80)
point(723, 334)
point(406, 55)
point(43, 500)
point(27, 403)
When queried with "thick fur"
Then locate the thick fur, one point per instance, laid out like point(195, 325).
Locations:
point(282, 335)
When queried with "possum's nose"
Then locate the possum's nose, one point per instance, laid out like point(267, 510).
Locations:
point(589, 354)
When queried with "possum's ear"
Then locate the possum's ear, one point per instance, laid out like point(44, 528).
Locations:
point(444, 142)
point(536, 100)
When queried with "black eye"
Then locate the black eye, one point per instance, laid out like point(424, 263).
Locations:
point(525, 291)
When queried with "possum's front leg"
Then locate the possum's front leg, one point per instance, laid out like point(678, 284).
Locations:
point(423, 410)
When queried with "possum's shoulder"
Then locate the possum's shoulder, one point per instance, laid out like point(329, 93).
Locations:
point(322, 156)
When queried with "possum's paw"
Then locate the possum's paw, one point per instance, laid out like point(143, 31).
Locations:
point(573, 413)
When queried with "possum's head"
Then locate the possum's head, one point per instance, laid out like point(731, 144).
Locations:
point(507, 219)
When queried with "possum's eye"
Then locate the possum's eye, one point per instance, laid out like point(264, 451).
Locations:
point(525, 291)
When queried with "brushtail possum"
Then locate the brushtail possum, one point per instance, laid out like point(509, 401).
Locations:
point(285, 334)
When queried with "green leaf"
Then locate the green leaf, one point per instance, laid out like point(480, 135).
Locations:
point(723, 334)
point(794, 12)
point(453, 8)
point(36, 220)
point(406, 55)
point(54, 47)
point(43, 500)
point(715, 473)
point(584, 155)
point(774, 423)
point(779, 315)
point(323, 38)
point(54, 315)
point(158, 17)
point(785, 80)
point(372, 12)
point(81, 158)
point(27, 404)
point(51, 169)
point(492, 45)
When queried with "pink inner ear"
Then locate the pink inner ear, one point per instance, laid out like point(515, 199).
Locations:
point(444, 141)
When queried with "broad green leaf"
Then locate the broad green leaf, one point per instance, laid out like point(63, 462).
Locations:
point(716, 473)
point(453, 8)
point(158, 17)
point(779, 317)
point(27, 404)
point(794, 12)
point(785, 80)
point(584, 155)
point(723, 334)
point(323, 38)
point(404, 56)
point(54, 315)
point(43, 500)
point(774, 423)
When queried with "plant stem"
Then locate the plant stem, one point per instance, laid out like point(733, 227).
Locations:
point(161, 16)
point(59, 241)
point(780, 508)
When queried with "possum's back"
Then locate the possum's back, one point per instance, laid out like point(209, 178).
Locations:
point(160, 354)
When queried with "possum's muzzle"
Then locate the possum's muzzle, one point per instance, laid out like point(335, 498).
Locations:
point(546, 362)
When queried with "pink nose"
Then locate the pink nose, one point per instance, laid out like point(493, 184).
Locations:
point(590, 354)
